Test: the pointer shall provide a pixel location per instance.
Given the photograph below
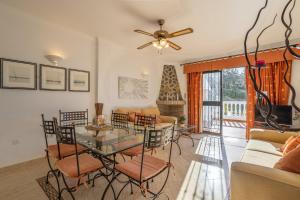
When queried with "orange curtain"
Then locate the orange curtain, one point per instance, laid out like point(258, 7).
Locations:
point(273, 83)
point(194, 90)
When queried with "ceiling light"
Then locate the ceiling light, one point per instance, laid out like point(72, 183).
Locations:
point(161, 43)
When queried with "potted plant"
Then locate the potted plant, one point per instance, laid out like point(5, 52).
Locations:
point(181, 120)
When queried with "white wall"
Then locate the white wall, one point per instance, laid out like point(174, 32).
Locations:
point(114, 61)
point(26, 38)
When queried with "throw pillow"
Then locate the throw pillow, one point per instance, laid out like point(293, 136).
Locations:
point(286, 143)
point(132, 116)
point(290, 162)
point(291, 145)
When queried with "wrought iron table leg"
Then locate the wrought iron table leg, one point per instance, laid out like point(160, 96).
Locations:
point(189, 136)
point(176, 141)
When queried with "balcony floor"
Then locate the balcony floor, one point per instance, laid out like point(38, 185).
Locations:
point(234, 129)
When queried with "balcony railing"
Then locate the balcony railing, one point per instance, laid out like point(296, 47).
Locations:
point(234, 110)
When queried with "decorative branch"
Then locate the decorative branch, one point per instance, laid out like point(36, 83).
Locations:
point(288, 27)
point(287, 32)
point(259, 99)
point(260, 95)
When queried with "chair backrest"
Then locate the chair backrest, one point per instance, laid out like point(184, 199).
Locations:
point(141, 121)
point(48, 128)
point(153, 139)
point(73, 118)
point(66, 135)
point(119, 120)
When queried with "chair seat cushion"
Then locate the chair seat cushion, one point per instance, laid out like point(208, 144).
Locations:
point(87, 164)
point(135, 151)
point(151, 167)
point(65, 150)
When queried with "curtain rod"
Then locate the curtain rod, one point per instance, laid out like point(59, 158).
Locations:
point(224, 57)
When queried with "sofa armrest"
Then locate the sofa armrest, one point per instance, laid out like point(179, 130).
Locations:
point(250, 182)
point(271, 135)
point(168, 119)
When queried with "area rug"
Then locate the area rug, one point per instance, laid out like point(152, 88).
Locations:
point(48, 189)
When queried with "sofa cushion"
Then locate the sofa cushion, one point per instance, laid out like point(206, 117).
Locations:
point(260, 158)
point(151, 111)
point(128, 110)
point(290, 162)
point(264, 146)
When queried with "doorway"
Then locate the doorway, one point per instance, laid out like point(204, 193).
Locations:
point(212, 102)
point(224, 102)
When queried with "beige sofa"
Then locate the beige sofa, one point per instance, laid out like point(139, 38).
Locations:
point(254, 178)
point(165, 121)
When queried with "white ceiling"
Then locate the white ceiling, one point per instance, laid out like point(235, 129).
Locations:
point(219, 25)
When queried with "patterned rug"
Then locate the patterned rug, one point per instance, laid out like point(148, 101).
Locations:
point(48, 189)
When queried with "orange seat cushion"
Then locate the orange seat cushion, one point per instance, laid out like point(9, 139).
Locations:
point(135, 151)
point(87, 164)
point(290, 162)
point(65, 150)
point(286, 143)
point(151, 167)
point(291, 145)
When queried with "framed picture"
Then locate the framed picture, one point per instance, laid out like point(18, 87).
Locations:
point(17, 74)
point(53, 78)
point(132, 88)
point(79, 80)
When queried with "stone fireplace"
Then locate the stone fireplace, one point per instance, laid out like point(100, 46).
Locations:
point(170, 101)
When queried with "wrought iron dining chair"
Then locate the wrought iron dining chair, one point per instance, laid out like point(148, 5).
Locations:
point(140, 122)
point(78, 118)
point(120, 120)
point(55, 152)
point(79, 166)
point(144, 167)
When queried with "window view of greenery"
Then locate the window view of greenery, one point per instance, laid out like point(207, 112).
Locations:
point(234, 86)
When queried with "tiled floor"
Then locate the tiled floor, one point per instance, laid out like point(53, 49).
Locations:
point(201, 173)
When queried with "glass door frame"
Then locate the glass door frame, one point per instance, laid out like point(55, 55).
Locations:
point(214, 103)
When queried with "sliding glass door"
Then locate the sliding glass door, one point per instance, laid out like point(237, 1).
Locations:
point(212, 102)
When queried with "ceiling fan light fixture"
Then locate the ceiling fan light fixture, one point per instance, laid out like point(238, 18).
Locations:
point(161, 43)
point(162, 37)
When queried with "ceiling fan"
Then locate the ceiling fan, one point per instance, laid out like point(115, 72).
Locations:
point(162, 37)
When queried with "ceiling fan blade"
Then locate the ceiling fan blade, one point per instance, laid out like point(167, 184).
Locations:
point(181, 32)
point(174, 46)
point(145, 45)
point(143, 32)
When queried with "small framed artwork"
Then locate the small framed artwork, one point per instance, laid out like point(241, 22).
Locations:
point(79, 80)
point(53, 78)
point(17, 74)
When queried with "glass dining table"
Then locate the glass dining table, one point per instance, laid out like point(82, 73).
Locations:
point(105, 143)
point(108, 142)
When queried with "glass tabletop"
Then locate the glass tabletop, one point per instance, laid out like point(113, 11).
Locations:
point(108, 142)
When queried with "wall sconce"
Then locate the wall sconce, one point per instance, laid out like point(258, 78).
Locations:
point(145, 74)
point(54, 58)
